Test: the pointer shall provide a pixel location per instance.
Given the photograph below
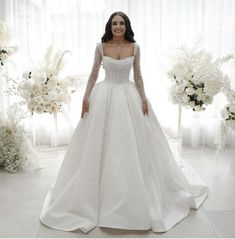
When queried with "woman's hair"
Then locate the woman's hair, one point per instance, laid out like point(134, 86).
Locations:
point(108, 35)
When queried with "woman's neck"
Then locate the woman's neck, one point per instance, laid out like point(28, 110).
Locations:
point(118, 40)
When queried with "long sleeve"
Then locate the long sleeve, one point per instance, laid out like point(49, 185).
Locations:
point(94, 73)
point(137, 75)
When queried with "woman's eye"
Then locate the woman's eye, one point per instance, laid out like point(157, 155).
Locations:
point(115, 23)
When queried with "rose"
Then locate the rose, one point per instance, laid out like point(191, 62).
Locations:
point(179, 88)
point(190, 91)
point(198, 108)
point(191, 104)
point(201, 97)
point(232, 108)
point(199, 91)
point(185, 98)
point(4, 56)
point(208, 100)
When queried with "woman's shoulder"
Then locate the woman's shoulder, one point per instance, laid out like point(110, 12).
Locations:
point(136, 45)
point(99, 47)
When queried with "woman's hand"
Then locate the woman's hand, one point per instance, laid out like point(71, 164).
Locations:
point(85, 107)
point(145, 107)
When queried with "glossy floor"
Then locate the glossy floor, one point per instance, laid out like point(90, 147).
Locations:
point(22, 195)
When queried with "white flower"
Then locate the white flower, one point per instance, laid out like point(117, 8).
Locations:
point(52, 96)
point(198, 91)
point(4, 56)
point(179, 88)
point(191, 104)
point(43, 89)
point(12, 139)
point(5, 34)
point(232, 108)
point(224, 113)
point(5, 39)
point(198, 72)
point(201, 97)
point(190, 91)
point(198, 108)
point(228, 121)
point(39, 109)
point(26, 75)
point(185, 98)
point(231, 123)
point(38, 99)
point(208, 100)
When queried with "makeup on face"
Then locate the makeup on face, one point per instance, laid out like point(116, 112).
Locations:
point(118, 25)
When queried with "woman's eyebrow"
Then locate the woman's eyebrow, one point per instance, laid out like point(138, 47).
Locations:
point(119, 21)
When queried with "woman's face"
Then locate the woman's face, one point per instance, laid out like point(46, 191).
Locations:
point(118, 26)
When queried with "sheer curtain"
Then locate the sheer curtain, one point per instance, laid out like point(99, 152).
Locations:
point(160, 26)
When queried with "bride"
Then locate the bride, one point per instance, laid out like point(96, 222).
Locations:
point(120, 170)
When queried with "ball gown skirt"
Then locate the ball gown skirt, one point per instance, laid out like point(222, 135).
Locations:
point(120, 170)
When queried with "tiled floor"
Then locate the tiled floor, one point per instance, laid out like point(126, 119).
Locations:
point(22, 195)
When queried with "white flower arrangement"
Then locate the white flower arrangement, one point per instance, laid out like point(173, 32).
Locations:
point(227, 115)
point(15, 152)
point(44, 90)
point(6, 50)
point(197, 78)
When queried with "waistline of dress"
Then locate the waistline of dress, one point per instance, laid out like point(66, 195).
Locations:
point(117, 81)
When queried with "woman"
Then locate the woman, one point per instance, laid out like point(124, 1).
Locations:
point(119, 170)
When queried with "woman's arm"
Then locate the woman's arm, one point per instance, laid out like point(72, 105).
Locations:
point(138, 76)
point(94, 73)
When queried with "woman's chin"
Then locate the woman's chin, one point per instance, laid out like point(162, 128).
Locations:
point(118, 34)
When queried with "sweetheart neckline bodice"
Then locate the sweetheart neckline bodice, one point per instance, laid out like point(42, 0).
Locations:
point(118, 59)
point(102, 53)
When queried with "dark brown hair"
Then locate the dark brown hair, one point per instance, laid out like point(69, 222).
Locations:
point(108, 35)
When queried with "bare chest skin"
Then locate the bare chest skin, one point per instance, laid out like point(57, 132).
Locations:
point(118, 53)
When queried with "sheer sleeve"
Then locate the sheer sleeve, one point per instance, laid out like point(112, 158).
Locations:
point(137, 74)
point(94, 73)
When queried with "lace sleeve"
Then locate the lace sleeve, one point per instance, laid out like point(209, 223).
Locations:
point(137, 74)
point(94, 73)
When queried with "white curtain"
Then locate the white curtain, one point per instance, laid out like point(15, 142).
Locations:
point(160, 26)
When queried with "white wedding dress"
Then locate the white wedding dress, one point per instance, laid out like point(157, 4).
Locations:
point(120, 170)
